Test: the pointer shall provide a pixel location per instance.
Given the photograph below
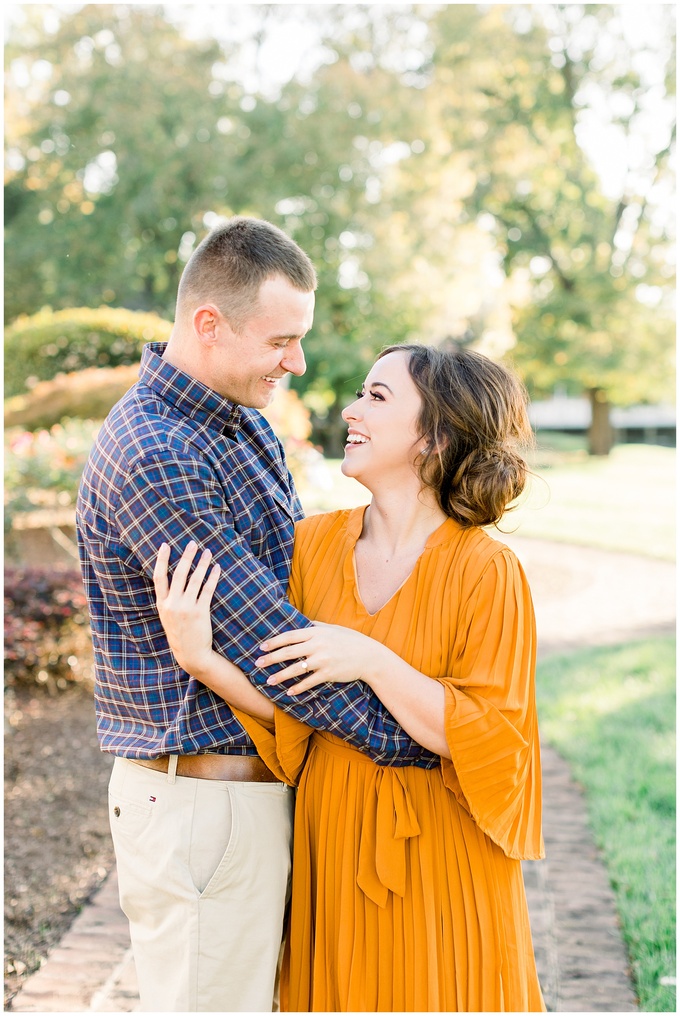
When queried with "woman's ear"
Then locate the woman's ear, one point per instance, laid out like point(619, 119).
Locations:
point(437, 444)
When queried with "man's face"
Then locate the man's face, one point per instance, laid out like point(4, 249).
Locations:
point(248, 366)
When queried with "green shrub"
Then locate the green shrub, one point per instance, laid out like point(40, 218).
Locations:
point(39, 347)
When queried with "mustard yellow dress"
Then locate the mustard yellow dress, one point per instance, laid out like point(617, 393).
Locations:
point(407, 891)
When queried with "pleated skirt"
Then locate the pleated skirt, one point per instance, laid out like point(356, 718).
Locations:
point(399, 902)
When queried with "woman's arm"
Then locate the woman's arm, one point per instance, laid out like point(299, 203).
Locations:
point(334, 653)
point(184, 610)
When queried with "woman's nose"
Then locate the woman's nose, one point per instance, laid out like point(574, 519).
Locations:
point(351, 412)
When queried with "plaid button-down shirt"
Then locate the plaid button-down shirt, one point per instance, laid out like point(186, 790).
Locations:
point(173, 462)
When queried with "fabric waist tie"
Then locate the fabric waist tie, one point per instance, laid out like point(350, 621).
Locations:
point(389, 820)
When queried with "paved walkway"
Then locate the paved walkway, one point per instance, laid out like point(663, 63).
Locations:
point(583, 597)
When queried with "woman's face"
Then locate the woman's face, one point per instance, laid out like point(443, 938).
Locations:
point(383, 440)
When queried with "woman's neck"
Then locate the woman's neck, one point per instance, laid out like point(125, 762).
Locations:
point(397, 522)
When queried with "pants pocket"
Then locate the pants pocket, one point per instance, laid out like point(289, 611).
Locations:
point(213, 837)
point(128, 817)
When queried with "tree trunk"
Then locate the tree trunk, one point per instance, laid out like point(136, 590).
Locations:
point(601, 432)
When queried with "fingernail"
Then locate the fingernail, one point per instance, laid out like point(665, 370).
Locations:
point(264, 647)
point(258, 661)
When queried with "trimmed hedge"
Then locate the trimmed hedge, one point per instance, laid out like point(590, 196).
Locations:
point(48, 343)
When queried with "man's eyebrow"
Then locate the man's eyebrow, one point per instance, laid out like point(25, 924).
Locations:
point(287, 338)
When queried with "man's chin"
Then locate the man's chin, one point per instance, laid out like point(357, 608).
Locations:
point(258, 401)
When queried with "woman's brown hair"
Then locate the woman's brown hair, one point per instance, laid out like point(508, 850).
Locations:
point(475, 422)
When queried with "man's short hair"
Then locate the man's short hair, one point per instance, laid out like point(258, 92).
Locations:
point(231, 263)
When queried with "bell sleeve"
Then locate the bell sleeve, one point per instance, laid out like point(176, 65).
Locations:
point(490, 710)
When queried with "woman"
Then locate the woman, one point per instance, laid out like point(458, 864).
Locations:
point(407, 890)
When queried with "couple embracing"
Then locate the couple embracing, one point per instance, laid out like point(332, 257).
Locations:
point(326, 752)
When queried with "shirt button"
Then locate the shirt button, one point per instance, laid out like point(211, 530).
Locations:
point(116, 811)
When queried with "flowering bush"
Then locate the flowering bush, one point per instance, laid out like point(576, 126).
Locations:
point(47, 635)
point(43, 468)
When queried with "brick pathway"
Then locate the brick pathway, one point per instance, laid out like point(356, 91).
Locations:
point(583, 597)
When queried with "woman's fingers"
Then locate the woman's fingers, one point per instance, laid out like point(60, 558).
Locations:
point(198, 575)
point(160, 571)
point(179, 579)
point(209, 587)
point(294, 670)
point(286, 638)
point(292, 652)
point(179, 584)
point(309, 682)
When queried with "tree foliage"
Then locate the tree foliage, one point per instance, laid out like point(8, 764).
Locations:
point(122, 153)
point(589, 273)
point(436, 163)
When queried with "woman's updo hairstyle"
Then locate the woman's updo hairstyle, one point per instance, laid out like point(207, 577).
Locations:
point(474, 420)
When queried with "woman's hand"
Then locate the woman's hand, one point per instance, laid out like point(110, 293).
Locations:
point(184, 607)
point(325, 652)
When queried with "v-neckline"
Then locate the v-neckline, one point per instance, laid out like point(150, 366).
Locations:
point(354, 530)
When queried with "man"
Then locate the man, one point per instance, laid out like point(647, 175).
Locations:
point(201, 827)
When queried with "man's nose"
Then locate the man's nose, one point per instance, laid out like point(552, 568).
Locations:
point(294, 360)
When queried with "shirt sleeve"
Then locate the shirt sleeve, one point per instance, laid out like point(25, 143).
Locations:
point(170, 499)
point(490, 712)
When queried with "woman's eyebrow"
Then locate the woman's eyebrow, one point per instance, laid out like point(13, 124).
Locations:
point(381, 384)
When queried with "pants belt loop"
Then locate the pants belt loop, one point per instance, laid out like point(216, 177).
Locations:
point(172, 768)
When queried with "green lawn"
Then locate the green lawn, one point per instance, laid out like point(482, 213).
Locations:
point(625, 501)
point(611, 714)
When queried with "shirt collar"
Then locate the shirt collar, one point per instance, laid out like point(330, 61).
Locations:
point(188, 395)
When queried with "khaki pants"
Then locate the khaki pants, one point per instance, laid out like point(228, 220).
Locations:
point(203, 869)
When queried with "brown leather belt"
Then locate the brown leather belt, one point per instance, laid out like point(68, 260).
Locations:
point(239, 768)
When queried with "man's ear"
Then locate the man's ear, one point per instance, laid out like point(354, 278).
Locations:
point(206, 321)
